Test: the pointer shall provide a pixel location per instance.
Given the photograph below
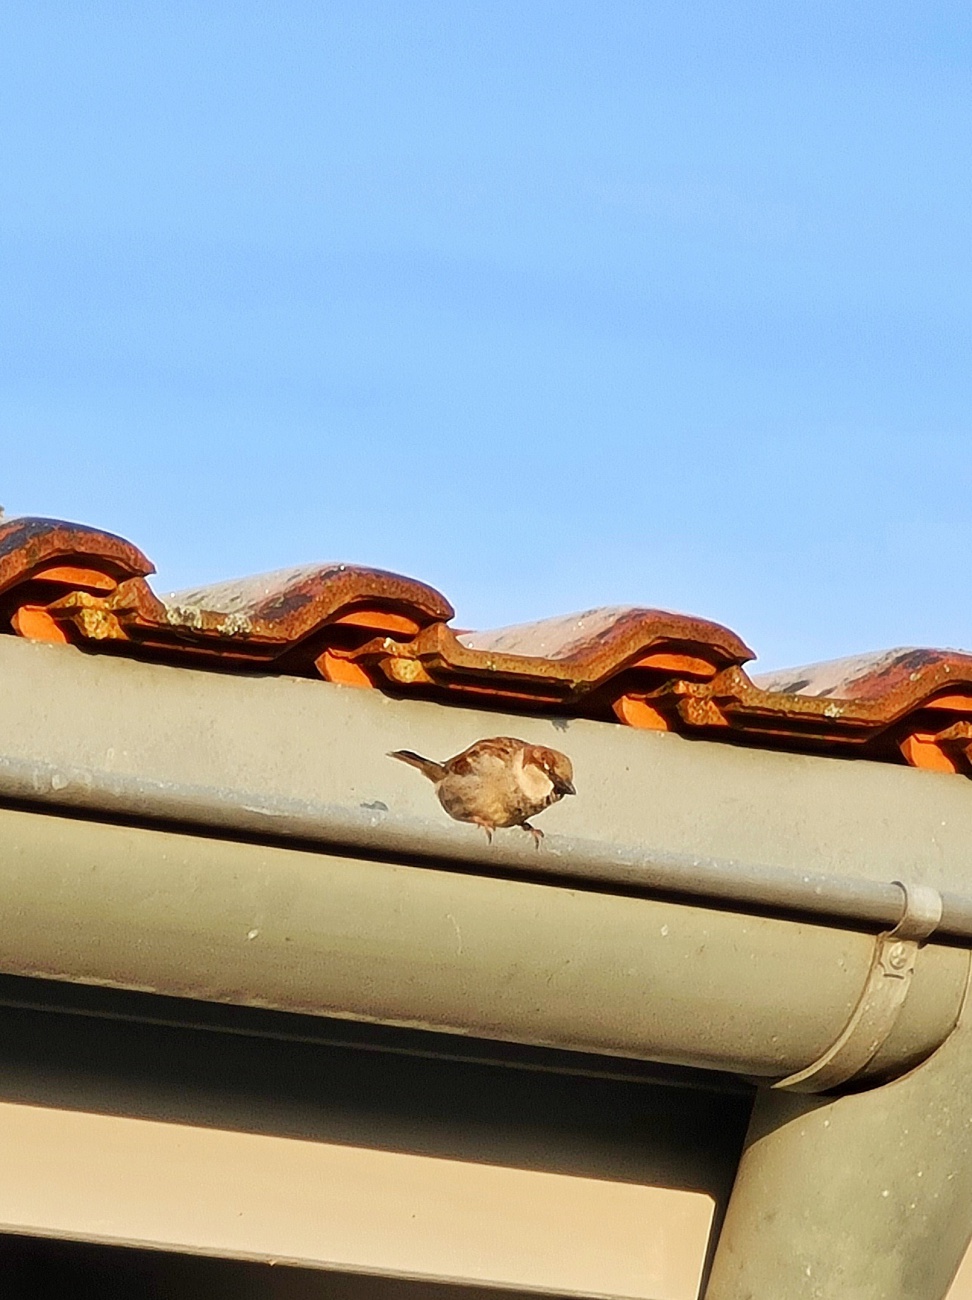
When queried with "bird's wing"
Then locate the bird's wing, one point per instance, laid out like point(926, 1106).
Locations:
point(486, 755)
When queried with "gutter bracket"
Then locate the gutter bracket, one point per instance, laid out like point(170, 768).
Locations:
point(882, 998)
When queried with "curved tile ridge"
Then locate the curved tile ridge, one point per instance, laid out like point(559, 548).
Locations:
point(612, 631)
point(646, 667)
point(590, 661)
point(44, 560)
point(31, 547)
point(908, 673)
point(288, 604)
point(922, 696)
point(313, 617)
point(65, 582)
point(908, 704)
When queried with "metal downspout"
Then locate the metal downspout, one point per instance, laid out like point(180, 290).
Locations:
point(867, 1196)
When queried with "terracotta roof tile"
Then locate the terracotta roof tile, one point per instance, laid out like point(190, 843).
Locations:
point(42, 549)
point(583, 659)
point(614, 631)
point(908, 672)
point(318, 614)
point(44, 560)
point(289, 603)
point(345, 623)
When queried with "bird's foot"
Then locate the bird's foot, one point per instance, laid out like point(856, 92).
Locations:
point(535, 832)
point(477, 821)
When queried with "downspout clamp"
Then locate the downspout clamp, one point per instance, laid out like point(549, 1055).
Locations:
point(882, 999)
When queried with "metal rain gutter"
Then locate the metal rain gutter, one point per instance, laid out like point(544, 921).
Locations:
point(513, 960)
point(804, 1007)
point(712, 907)
point(370, 830)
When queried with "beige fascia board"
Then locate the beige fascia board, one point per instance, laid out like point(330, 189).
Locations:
point(136, 1182)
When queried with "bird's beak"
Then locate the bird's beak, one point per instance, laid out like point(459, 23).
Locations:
point(566, 787)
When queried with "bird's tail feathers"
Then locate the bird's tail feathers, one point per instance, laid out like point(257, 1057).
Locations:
point(434, 771)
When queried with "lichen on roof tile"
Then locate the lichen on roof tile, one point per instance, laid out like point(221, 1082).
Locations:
point(32, 543)
point(576, 636)
point(873, 676)
point(283, 592)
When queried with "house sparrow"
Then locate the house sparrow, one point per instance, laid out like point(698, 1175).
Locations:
point(497, 782)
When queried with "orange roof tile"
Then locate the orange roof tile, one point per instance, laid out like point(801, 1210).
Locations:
point(360, 626)
point(65, 554)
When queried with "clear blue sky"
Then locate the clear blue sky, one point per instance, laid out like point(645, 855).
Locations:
point(550, 304)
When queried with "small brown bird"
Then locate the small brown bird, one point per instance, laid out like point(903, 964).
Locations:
point(497, 782)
